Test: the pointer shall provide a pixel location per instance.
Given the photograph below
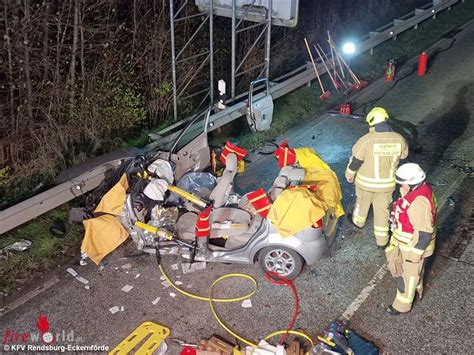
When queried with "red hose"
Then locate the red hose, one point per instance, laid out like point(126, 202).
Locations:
point(271, 276)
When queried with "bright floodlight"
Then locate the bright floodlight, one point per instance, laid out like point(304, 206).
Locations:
point(349, 48)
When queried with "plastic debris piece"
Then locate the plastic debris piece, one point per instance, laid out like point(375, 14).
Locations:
point(83, 280)
point(72, 272)
point(137, 276)
point(156, 300)
point(178, 283)
point(247, 303)
point(451, 201)
point(175, 267)
point(127, 288)
point(172, 294)
point(162, 278)
point(188, 267)
point(126, 266)
point(114, 309)
point(87, 287)
point(166, 284)
point(178, 277)
point(21, 245)
point(441, 182)
point(122, 309)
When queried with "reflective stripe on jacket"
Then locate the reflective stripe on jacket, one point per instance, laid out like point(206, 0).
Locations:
point(380, 153)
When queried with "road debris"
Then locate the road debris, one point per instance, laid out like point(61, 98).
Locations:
point(127, 288)
point(178, 283)
point(247, 303)
point(175, 266)
point(156, 300)
point(87, 287)
point(172, 294)
point(77, 276)
point(188, 267)
point(451, 201)
point(126, 266)
point(114, 309)
point(21, 245)
point(441, 182)
point(122, 309)
point(137, 276)
point(162, 278)
point(166, 284)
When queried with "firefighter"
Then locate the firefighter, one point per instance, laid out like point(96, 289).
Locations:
point(375, 157)
point(413, 236)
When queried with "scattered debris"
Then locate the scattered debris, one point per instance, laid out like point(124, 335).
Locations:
point(21, 245)
point(114, 309)
point(122, 309)
point(175, 266)
point(83, 260)
point(156, 300)
point(178, 277)
point(166, 284)
point(441, 182)
point(137, 276)
point(247, 303)
point(162, 278)
point(77, 276)
point(127, 288)
point(87, 287)
point(172, 294)
point(451, 201)
point(178, 283)
point(126, 266)
point(58, 228)
point(188, 267)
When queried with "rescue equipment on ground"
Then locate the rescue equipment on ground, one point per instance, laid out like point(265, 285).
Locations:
point(376, 115)
point(285, 155)
point(345, 108)
point(422, 63)
point(339, 338)
point(325, 94)
point(390, 70)
point(148, 335)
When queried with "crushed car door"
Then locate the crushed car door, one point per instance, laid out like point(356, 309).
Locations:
point(191, 150)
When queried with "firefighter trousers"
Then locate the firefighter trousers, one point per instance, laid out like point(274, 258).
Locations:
point(408, 276)
point(380, 202)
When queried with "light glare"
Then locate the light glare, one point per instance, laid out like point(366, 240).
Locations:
point(349, 48)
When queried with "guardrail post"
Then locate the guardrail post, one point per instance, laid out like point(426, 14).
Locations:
point(373, 34)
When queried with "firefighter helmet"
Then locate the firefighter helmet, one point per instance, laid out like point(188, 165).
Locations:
point(410, 173)
point(376, 115)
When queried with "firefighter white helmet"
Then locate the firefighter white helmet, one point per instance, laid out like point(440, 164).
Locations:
point(156, 189)
point(162, 169)
point(410, 174)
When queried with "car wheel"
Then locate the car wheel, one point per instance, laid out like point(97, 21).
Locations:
point(282, 260)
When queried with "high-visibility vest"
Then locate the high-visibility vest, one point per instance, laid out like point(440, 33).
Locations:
point(203, 225)
point(402, 227)
point(231, 148)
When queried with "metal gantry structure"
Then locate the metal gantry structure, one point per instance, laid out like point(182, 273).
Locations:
point(178, 16)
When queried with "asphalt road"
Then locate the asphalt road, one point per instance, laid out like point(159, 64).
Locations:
point(434, 112)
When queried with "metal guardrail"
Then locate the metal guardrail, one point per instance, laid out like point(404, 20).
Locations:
point(45, 201)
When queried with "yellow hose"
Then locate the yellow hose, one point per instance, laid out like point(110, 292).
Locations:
point(211, 301)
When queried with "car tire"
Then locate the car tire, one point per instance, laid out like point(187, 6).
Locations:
point(285, 261)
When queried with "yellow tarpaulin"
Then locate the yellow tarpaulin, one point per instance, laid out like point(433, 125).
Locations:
point(114, 199)
point(104, 233)
point(297, 209)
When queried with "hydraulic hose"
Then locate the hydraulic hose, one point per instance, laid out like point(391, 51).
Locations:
point(219, 320)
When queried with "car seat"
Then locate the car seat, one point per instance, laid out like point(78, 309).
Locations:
point(224, 186)
point(288, 176)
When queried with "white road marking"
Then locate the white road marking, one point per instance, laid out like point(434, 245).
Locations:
point(365, 293)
